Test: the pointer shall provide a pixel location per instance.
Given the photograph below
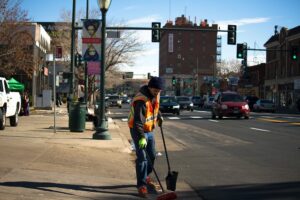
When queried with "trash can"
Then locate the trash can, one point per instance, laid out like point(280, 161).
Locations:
point(77, 113)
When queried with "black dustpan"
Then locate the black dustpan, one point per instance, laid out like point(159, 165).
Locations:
point(171, 178)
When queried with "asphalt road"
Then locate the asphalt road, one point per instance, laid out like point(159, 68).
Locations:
point(234, 158)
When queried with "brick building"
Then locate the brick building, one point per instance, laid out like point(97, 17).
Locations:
point(282, 82)
point(187, 56)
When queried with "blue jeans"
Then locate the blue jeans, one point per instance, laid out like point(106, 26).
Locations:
point(142, 166)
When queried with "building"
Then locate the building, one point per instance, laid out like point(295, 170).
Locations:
point(28, 59)
point(282, 82)
point(253, 83)
point(187, 57)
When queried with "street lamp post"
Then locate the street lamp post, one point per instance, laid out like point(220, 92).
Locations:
point(101, 129)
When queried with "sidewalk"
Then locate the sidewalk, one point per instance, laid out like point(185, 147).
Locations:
point(37, 163)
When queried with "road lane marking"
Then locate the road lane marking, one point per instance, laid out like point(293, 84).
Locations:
point(213, 120)
point(258, 129)
point(173, 118)
point(295, 123)
point(124, 119)
point(196, 117)
point(273, 120)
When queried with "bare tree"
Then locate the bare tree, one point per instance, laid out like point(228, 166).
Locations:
point(119, 51)
point(15, 41)
point(228, 68)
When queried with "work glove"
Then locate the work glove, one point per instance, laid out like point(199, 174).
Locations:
point(142, 143)
point(160, 121)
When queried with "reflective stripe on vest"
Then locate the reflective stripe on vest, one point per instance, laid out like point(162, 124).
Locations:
point(150, 115)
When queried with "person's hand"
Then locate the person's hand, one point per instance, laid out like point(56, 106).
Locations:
point(160, 121)
point(142, 143)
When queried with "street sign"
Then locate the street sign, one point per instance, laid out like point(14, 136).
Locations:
point(91, 39)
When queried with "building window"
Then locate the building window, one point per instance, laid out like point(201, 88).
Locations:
point(179, 56)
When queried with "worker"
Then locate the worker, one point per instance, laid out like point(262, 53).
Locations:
point(143, 117)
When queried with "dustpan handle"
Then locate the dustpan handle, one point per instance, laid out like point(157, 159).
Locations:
point(167, 157)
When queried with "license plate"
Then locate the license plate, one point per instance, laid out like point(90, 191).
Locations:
point(236, 110)
point(184, 106)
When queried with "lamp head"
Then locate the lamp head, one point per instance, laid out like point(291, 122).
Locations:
point(104, 4)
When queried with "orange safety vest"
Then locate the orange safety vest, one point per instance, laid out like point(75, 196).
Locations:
point(150, 115)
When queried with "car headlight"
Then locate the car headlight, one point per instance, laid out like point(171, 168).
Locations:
point(176, 106)
point(224, 107)
point(246, 107)
point(191, 104)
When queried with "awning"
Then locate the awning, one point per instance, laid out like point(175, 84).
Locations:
point(15, 85)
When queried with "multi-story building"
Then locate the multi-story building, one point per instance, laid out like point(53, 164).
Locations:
point(187, 57)
point(282, 82)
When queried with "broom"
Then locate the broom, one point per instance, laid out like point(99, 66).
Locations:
point(165, 195)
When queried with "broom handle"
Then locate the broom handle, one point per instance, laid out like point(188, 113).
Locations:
point(167, 157)
point(149, 160)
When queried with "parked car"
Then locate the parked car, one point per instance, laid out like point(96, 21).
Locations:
point(185, 103)
point(168, 104)
point(251, 100)
point(208, 102)
point(229, 104)
point(197, 101)
point(114, 100)
point(264, 105)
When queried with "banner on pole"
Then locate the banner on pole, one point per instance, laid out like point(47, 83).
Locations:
point(93, 68)
point(91, 40)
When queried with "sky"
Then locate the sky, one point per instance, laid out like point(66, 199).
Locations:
point(255, 20)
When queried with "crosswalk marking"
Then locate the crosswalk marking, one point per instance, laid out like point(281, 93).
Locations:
point(173, 118)
point(196, 117)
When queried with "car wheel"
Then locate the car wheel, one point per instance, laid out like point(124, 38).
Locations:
point(14, 119)
point(192, 110)
point(220, 116)
point(2, 119)
point(246, 117)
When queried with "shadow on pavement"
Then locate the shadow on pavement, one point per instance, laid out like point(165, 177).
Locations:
point(282, 191)
point(55, 187)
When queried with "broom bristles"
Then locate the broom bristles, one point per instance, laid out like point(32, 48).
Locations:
point(167, 196)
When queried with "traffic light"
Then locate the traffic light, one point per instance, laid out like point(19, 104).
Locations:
point(78, 60)
point(240, 50)
point(231, 35)
point(155, 32)
point(294, 53)
point(173, 80)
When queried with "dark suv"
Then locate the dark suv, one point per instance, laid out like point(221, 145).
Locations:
point(229, 104)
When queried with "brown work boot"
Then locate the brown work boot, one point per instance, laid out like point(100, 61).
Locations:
point(143, 192)
point(154, 186)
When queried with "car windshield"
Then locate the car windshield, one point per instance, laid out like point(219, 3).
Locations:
point(183, 99)
point(196, 98)
point(231, 97)
point(166, 99)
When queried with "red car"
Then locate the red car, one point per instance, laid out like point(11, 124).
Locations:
point(229, 104)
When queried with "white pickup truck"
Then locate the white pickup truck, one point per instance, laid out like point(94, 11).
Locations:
point(10, 104)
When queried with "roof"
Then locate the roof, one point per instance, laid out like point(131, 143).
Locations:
point(293, 31)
